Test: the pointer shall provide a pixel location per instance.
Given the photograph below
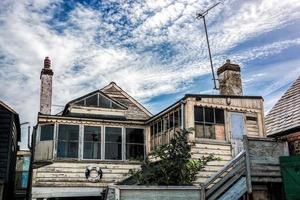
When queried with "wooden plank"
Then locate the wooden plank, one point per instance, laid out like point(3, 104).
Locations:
point(236, 191)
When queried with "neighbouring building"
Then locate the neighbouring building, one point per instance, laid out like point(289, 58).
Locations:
point(283, 120)
point(22, 174)
point(98, 137)
point(9, 138)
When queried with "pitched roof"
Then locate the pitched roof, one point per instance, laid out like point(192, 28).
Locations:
point(284, 117)
point(118, 94)
point(112, 91)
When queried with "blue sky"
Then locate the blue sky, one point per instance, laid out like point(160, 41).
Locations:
point(155, 50)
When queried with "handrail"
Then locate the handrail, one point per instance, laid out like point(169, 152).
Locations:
point(208, 191)
point(224, 168)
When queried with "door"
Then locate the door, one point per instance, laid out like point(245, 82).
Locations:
point(237, 124)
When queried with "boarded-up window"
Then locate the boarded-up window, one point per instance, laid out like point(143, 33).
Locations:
point(92, 142)
point(67, 144)
point(47, 132)
point(134, 144)
point(209, 123)
point(113, 143)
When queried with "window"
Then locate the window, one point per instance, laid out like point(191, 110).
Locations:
point(47, 132)
point(176, 119)
point(98, 100)
point(67, 141)
point(113, 143)
point(92, 101)
point(134, 144)
point(209, 123)
point(171, 120)
point(92, 142)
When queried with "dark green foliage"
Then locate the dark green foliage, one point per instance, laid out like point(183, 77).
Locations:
point(175, 166)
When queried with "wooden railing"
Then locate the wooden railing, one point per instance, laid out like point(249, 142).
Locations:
point(225, 178)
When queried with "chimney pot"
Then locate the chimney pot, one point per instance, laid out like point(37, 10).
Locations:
point(47, 62)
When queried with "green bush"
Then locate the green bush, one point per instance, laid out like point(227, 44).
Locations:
point(175, 165)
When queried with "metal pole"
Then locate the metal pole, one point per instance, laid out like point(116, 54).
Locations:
point(210, 59)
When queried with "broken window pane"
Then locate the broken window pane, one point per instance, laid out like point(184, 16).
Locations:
point(209, 123)
point(134, 144)
point(47, 132)
point(68, 141)
point(113, 143)
point(92, 101)
point(92, 142)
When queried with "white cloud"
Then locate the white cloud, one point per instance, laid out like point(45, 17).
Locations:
point(90, 48)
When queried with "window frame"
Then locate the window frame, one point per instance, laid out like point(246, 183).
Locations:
point(79, 155)
point(204, 123)
point(143, 144)
point(122, 142)
point(101, 143)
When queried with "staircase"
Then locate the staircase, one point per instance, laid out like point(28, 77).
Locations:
point(228, 183)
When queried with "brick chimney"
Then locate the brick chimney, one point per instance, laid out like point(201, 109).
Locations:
point(230, 82)
point(46, 87)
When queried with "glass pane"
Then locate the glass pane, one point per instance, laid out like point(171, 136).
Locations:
point(134, 152)
point(171, 120)
point(115, 106)
point(80, 103)
point(61, 149)
point(92, 133)
point(179, 117)
point(113, 134)
point(113, 151)
point(155, 128)
point(72, 150)
point(209, 115)
point(68, 132)
point(68, 141)
point(104, 102)
point(159, 127)
point(198, 114)
point(219, 116)
point(199, 130)
point(134, 135)
point(176, 118)
point(47, 132)
point(92, 150)
point(92, 101)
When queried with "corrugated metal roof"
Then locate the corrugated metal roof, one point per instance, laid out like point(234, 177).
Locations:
point(285, 115)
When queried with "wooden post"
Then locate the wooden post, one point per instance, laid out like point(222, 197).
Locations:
point(247, 163)
point(202, 192)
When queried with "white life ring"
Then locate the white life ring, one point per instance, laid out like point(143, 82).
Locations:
point(91, 178)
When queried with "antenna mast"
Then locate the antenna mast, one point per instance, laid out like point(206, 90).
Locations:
point(202, 16)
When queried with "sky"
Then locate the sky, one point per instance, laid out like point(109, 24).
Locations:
point(153, 49)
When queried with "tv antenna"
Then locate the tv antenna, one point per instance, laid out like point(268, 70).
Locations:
point(202, 16)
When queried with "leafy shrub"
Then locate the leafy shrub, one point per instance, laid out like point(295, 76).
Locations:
point(174, 165)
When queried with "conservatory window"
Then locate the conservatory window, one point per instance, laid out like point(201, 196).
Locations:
point(68, 136)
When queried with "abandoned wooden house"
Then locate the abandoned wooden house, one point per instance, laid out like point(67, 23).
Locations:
point(10, 135)
point(98, 137)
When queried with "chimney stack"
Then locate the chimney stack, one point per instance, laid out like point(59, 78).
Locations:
point(230, 82)
point(46, 88)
